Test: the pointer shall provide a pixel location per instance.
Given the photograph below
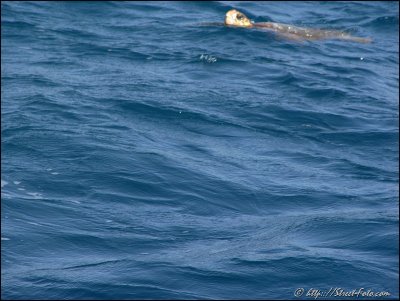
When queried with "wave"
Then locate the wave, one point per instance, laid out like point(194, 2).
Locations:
point(147, 156)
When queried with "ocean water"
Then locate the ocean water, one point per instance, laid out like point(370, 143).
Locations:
point(145, 155)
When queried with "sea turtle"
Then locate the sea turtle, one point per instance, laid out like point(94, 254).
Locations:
point(237, 19)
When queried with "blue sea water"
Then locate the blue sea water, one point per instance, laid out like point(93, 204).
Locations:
point(145, 155)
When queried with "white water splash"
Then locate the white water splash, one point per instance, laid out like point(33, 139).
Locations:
point(208, 58)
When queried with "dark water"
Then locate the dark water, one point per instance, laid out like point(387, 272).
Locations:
point(145, 156)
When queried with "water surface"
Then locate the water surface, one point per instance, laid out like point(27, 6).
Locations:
point(145, 156)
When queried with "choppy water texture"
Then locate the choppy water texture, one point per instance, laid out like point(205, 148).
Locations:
point(145, 156)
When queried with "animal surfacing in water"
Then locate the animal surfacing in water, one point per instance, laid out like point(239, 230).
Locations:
point(236, 18)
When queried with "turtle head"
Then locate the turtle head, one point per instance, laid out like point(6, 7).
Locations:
point(236, 18)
